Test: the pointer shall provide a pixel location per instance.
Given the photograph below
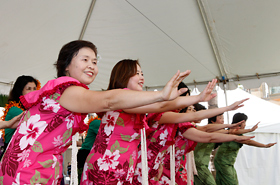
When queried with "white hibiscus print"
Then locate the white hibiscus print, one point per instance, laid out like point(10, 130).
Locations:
point(109, 160)
point(58, 141)
point(85, 171)
point(70, 121)
point(26, 163)
point(133, 136)
point(109, 119)
point(23, 155)
point(130, 174)
point(17, 180)
point(164, 180)
point(50, 104)
point(150, 154)
point(158, 161)
point(31, 129)
point(119, 173)
point(138, 171)
point(163, 137)
point(54, 161)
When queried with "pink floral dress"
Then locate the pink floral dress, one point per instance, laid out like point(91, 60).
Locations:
point(182, 147)
point(34, 153)
point(158, 143)
point(113, 156)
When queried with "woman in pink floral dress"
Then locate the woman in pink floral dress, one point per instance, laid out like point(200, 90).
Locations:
point(181, 135)
point(113, 157)
point(56, 112)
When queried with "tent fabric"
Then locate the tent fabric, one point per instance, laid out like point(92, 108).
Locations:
point(164, 35)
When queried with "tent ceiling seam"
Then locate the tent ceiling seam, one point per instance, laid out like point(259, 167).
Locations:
point(170, 37)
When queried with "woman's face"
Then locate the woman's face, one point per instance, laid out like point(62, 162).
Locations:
point(136, 82)
point(243, 125)
point(83, 66)
point(220, 119)
point(190, 109)
point(29, 87)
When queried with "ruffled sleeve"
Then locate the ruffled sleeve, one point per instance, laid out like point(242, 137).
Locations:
point(33, 98)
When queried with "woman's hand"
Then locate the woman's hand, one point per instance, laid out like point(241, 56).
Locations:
point(237, 104)
point(170, 91)
point(255, 127)
point(206, 94)
point(13, 123)
point(269, 145)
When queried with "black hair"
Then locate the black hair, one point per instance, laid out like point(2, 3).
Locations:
point(214, 118)
point(239, 117)
point(183, 85)
point(199, 107)
point(18, 87)
point(68, 51)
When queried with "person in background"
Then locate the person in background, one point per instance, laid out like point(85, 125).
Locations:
point(23, 85)
point(94, 124)
point(227, 153)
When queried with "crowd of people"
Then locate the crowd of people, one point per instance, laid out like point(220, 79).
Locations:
point(139, 137)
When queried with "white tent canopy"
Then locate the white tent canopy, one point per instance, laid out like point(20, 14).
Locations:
point(215, 39)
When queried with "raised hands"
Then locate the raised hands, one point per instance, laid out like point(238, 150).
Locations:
point(206, 94)
point(255, 127)
point(170, 91)
point(237, 104)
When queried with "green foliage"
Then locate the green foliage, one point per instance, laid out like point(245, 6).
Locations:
point(3, 100)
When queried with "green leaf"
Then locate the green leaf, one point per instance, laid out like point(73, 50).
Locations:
point(47, 163)
point(123, 150)
point(1, 180)
point(56, 169)
point(90, 166)
point(36, 179)
point(37, 147)
point(153, 139)
point(115, 146)
point(89, 157)
point(54, 96)
point(67, 134)
point(120, 121)
point(131, 161)
point(126, 137)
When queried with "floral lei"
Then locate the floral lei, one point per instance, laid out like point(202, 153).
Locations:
point(89, 121)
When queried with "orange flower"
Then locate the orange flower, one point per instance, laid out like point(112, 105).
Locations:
point(38, 85)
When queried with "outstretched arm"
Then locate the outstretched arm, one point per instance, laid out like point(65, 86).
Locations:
point(216, 127)
point(178, 103)
point(78, 99)
point(171, 117)
point(257, 144)
point(204, 137)
point(13, 123)
point(243, 131)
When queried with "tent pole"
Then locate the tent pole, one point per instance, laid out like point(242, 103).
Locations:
point(225, 91)
point(87, 19)
point(211, 38)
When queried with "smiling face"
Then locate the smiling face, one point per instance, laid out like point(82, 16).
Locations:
point(83, 66)
point(136, 82)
